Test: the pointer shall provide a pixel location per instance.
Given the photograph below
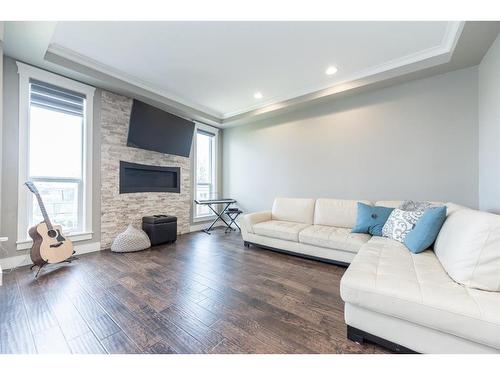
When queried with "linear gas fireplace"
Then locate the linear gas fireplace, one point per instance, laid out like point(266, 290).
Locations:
point(140, 178)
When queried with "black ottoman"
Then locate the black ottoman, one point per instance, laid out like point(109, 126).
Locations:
point(160, 228)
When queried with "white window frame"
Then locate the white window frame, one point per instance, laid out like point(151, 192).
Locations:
point(215, 166)
point(27, 72)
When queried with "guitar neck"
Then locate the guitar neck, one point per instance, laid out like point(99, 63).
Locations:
point(44, 211)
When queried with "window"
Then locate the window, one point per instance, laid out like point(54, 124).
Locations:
point(205, 167)
point(54, 151)
point(55, 155)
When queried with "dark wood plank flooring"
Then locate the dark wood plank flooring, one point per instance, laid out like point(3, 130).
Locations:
point(203, 294)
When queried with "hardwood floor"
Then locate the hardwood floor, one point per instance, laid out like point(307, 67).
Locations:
point(203, 294)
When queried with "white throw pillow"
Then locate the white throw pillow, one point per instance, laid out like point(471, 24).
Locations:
point(400, 223)
point(468, 247)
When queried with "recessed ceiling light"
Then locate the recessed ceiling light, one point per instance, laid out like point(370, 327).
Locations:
point(331, 70)
point(257, 95)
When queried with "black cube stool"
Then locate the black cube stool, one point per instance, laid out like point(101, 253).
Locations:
point(160, 228)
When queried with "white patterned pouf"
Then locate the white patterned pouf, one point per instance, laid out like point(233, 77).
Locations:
point(132, 239)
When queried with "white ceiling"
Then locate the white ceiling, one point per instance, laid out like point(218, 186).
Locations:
point(216, 67)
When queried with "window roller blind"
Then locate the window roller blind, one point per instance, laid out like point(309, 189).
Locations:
point(56, 98)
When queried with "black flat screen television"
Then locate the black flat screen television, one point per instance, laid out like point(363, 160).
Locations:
point(156, 130)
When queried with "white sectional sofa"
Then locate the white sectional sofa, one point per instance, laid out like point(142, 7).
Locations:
point(403, 301)
point(318, 228)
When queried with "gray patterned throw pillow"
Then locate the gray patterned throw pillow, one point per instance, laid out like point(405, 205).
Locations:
point(415, 206)
point(400, 223)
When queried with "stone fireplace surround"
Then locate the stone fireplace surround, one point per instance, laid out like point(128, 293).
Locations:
point(119, 210)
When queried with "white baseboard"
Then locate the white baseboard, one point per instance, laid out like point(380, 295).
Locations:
point(87, 248)
point(15, 261)
point(24, 260)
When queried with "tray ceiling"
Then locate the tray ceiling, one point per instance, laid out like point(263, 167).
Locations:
point(228, 73)
point(219, 67)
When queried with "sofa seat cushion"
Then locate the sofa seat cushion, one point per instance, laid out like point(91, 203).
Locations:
point(333, 238)
point(284, 230)
point(386, 278)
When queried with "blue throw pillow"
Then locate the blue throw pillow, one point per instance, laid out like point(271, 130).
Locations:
point(427, 228)
point(371, 219)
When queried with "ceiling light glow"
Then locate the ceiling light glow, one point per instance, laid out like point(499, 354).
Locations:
point(257, 95)
point(331, 70)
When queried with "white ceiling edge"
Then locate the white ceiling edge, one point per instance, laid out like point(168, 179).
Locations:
point(28, 42)
point(71, 55)
point(422, 59)
point(74, 70)
point(468, 51)
point(355, 83)
point(437, 55)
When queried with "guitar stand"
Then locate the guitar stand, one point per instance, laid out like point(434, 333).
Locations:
point(69, 260)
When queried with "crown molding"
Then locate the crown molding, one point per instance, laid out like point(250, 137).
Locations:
point(427, 58)
point(75, 57)
point(422, 59)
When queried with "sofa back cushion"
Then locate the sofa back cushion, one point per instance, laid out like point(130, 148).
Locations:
point(453, 207)
point(336, 212)
point(390, 204)
point(468, 247)
point(299, 210)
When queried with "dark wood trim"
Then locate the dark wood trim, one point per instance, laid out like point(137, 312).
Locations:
point(300, 255)
point(359, 336)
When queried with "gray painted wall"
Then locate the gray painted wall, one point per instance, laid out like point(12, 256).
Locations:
point(416, 140)
point(10, 158)
point(10, 155)
point(489, 130)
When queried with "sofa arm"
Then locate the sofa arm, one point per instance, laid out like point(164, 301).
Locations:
point(249, 220)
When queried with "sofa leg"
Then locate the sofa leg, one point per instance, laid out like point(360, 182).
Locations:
point(246, 244)
point(355, 335)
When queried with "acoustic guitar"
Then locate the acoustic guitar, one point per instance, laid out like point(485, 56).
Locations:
point(49, 244)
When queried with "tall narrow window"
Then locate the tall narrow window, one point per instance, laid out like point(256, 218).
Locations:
point(206, 179)
point(54, 151)
point(56, 154)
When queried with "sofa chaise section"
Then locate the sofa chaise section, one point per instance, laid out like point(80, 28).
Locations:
point(409, 299)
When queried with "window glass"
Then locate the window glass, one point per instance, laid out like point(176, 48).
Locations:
point(55, 143)
point(56, 124)
point(205, 182)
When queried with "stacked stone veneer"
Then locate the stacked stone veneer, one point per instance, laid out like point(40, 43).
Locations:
point(119, 210)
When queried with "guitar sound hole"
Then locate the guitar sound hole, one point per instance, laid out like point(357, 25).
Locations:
point(52, 233)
